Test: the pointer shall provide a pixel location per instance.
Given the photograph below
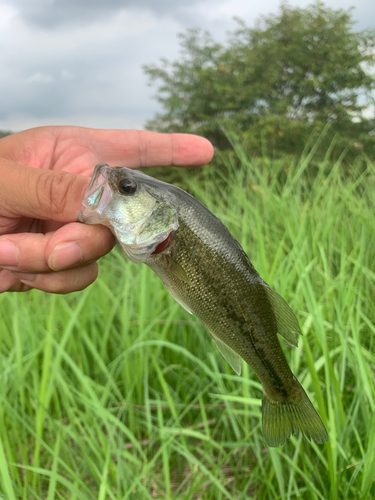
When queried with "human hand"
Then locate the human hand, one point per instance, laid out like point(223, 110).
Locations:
point(44, 173)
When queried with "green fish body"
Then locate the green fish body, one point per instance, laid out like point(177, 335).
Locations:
point(206, 270)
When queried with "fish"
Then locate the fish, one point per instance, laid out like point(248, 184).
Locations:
point(206, 270)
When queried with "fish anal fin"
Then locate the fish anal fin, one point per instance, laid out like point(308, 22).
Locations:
point(232, 357)
point(287, 323)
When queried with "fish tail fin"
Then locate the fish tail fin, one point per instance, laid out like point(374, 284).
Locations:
point(281, 419)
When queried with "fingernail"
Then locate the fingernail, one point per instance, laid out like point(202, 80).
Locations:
point(65, 255)
point(25, 276)
point(8, 253)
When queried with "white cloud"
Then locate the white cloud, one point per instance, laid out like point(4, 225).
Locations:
point(369, 112)
point(95, 120)
point(66, 74)
point(93, 70)
point(7, 12)
point(79, 61)
point(40, 78)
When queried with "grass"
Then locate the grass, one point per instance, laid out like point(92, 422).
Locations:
point(116, 392)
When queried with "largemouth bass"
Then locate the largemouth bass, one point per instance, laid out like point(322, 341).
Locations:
point(208, 273)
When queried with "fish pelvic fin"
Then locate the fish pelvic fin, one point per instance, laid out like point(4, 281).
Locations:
point(281, 419)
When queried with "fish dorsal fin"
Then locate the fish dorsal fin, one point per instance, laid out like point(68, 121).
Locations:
point(287, 323)
point(232, 357)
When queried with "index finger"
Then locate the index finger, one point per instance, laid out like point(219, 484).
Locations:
point(140, 148)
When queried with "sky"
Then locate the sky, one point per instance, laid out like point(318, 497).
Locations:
point(79, 62)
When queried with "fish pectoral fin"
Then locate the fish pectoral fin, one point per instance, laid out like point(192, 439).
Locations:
point(232, 357)
point(287, 323)
point(177, 270)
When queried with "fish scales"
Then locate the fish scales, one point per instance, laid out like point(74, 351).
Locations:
point(206, 270)
point(240, 318)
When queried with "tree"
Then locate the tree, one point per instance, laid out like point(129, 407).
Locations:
point(293, 72)
point(4, 133)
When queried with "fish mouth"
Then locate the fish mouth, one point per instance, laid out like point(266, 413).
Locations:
point(97, 195)
point(99, 169)
point(141, 233)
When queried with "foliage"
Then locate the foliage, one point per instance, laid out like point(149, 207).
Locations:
point(274, 83)
point(4, 133)
point(116, 392)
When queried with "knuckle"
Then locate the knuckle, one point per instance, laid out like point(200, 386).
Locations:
point(72, 280)
point(57, 283)
point(9, 283)
point(142, 149)
point(108, 241)
point(52, 192)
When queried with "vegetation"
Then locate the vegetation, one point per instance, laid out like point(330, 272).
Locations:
point(274, 83)
point(4, 133)
point(116, 392)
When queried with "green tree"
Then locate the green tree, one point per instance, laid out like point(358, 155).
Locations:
point(290, 74)
point(4, 133)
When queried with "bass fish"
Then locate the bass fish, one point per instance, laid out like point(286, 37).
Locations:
point(206, 270)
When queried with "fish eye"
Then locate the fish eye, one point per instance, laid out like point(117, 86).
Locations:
point(127, 186)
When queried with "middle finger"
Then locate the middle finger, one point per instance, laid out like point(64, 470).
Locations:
point(73, 245)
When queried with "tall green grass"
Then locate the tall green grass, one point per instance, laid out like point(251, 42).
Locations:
point(117, 393)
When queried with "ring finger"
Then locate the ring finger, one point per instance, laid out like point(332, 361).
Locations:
point(70, 280)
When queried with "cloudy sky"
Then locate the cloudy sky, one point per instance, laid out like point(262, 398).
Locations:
point(80, 61)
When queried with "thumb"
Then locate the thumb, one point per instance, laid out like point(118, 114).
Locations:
point(40, 194)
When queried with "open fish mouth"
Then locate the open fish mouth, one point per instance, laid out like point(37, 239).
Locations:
point(97, 196)
point(142, 224)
